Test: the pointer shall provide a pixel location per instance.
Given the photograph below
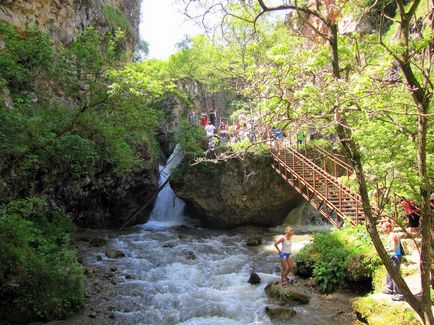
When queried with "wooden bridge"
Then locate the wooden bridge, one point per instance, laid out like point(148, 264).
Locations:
point(321, 188)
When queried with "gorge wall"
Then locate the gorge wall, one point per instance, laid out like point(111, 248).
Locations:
point(103, 199)
point(63, 19)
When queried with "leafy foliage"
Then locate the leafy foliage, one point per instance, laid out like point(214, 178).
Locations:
point(40, 277)
point(116, 18)
point(23, 55)
point(328, 257)
point(192, 139)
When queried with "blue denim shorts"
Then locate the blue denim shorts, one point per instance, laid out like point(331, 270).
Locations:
point(284, 256)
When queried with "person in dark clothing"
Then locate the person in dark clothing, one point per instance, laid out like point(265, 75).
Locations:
point(213, 117)
point(413, 214)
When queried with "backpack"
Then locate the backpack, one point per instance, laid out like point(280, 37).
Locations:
point(401, 247)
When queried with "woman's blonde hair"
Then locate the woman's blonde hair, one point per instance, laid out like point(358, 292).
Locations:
point(289, 229)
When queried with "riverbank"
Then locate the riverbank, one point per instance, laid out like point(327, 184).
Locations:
point(204, 282)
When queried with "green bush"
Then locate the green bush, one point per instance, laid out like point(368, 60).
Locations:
point(40, 278)
point(338, 256)
point(306, 259)
point(192, 139)
point(23, 54)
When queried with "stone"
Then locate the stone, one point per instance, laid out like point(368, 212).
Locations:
point(92, 314)
point(64, 19)
point(190, 255)
point(254, 240)
point(254, 278)
point(5, 95)
point(280, 313)
point(286, 294)
point(114, 253)
point(236, 192)
point(97, 242)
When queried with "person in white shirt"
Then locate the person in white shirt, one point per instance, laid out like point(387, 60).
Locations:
point(210, 134)
point(286, 259)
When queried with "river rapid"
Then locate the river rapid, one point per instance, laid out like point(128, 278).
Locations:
point(176, 272)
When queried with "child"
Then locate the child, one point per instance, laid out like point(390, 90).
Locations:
point(285, 256)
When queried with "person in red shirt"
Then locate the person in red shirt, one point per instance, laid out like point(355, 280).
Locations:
point(203, 119)
point(413, 214)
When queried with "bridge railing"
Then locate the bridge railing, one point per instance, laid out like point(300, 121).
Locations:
point(311, 180)
point(336, 163)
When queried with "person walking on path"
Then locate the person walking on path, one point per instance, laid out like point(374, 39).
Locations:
point(393, 247)
point(213, 117)
point(191, 116)
point(413, 214)
point(210, 134)
point(300, 137)
point(203, 119)
point(286, 260)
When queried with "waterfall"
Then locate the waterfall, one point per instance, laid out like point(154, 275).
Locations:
point(168, 210)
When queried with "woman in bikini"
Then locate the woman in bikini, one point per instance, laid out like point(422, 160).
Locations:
point(286, 260)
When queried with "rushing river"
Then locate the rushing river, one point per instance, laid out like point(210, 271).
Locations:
point(176, 272)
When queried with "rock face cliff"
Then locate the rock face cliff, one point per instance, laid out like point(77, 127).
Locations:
point(63, 19)
point(235, 192)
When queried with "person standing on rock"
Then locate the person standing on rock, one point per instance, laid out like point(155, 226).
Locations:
point(286, 260)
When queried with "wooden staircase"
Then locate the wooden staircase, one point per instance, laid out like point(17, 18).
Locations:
point(334, 200)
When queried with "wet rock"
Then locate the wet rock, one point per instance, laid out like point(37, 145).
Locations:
point(280, 313)
point(128, 276)
point(99, 258)
point(254, 278)
point(254, 241)
point(190, 255)
point(169, 245)
point(113, 269)
point(97, 242)
point(114, 253)
point(112, 316)
point(89, 271)
point(286, 294)
point(92, 315)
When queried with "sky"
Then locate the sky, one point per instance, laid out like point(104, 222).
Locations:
point(162, 26)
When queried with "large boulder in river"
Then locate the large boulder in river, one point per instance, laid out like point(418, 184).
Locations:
point(286, 294)
point(235, 192)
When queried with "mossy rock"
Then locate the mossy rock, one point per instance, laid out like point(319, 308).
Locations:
point(280, 313)
point(254, 240)
point(380, 311)
point(286, 294)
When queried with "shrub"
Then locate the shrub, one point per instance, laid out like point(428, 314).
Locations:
point(306, 259)
point(338, 256)
point(23, 55)
point(192, 139)
point(40, 278)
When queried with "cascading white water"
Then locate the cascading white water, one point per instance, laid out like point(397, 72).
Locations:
point(168, 209)
point(190, 275)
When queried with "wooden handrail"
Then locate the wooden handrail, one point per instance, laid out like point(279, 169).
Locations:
point(336, 161)
point(322, 188)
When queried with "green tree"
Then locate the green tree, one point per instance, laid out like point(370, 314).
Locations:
point(335, 79)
